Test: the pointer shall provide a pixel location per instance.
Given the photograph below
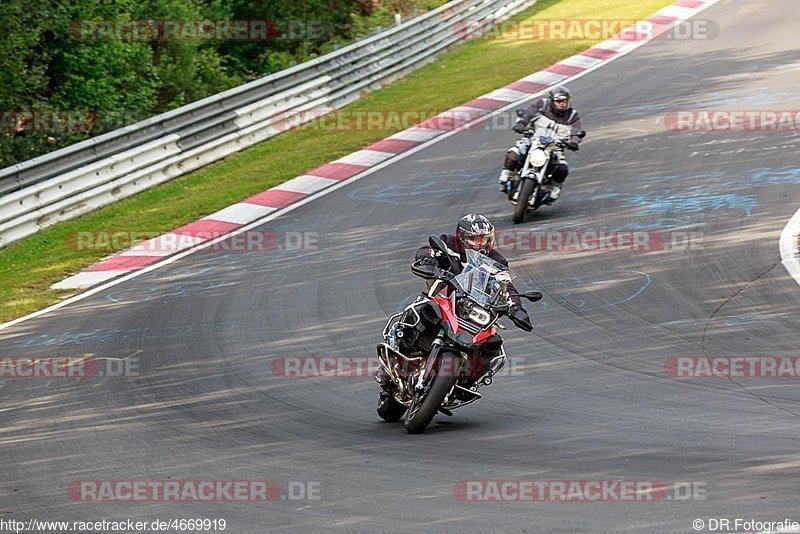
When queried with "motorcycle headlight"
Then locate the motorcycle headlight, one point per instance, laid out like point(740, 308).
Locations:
point(476, 314)
point(538, 158)
point(480, 316)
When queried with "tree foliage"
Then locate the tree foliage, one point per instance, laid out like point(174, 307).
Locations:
point(71, 57)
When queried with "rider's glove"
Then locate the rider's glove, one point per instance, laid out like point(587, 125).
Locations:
point(520, 317)
point(572, 145)
point(519, 126)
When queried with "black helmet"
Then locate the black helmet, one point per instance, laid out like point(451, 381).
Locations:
point(474, 231)
point(560, 99)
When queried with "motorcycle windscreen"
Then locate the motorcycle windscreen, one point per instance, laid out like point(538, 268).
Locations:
point(478, 280)
point(550, 129)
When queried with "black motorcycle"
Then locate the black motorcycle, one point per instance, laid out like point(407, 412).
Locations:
point(529, 187)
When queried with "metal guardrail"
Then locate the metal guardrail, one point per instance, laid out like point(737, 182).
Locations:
point(85, 176)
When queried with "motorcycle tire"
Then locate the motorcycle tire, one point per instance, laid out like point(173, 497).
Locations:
point(522, 200)
point(422, 410)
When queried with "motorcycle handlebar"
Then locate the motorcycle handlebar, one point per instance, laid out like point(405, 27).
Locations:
point(430, 271)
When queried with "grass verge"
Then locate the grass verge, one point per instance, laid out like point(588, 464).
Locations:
point(28, 267)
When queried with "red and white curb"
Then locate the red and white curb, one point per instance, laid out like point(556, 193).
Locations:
point(376, 155)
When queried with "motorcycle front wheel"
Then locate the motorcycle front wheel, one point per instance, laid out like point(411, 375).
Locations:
point(427, 402)
point(522, 200)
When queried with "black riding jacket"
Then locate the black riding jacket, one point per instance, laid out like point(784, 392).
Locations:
point(569, 117)
point(455, 245)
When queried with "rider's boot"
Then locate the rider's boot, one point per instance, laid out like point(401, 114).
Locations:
point(505, 176)
point(555, 192)
point(385, 381)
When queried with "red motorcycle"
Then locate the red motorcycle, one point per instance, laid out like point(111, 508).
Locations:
point(432, 349)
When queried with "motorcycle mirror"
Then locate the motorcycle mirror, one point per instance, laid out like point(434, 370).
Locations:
point(520, 112)
point(582, 134)
point(533, 296)
point(436, 243)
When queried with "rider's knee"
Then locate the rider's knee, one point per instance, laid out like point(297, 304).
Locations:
point(560, 173)
point(512, 159)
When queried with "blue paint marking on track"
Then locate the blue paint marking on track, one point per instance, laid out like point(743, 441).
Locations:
point(698, 201)
point(153, 293)
point(583, 302)
point(703, 198)
point(777, 95)
point(689, 201)
point(166, 293)
point(570, 285)
point(733, 322)
point(760, 176)
point(116, 335)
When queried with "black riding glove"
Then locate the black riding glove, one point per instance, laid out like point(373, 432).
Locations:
point(520, 318)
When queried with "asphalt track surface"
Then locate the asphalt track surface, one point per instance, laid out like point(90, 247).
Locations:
point(590, 399)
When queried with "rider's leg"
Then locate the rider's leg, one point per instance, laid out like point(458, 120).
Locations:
point(510, 165)
point(560, 173)
point(514, 155)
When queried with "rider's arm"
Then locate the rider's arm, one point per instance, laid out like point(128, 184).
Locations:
point(534, 109)
point(575, 124)
point(427, 252)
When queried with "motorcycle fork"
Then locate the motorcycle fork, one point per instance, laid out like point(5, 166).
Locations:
point(436, 346)
point(525, 174)
point(526, 165)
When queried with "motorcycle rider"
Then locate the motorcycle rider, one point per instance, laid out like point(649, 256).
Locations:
point(474, 231)
point(557, 106)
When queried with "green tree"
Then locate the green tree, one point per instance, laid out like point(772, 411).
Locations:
point(72, 55)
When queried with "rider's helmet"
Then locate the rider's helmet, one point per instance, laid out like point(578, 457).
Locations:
point(560, 99)
point(476, 232)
